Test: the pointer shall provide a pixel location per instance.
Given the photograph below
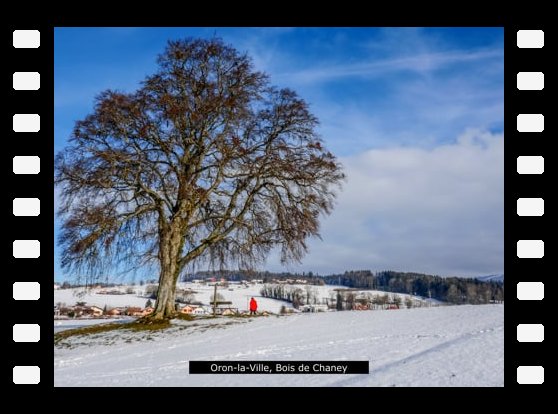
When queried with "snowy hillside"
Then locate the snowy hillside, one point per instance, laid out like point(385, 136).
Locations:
point(92, 298)
point(239, 295)
point(65, 324)
point(491, 278)
point(442, 346)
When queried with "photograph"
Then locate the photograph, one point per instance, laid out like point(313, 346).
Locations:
point(278, 207)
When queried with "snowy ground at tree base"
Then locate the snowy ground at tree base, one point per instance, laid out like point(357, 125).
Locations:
point(443, 346)
point(65, 324)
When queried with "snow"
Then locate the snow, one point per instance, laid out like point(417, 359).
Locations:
point(439, 346)
point(239, 295)
point(92, 298)
point(491, 278)
point(65, 324)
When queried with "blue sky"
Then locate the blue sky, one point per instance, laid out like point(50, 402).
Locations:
point(415, 115)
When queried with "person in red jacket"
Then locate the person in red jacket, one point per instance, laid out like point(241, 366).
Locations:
point(253, 306)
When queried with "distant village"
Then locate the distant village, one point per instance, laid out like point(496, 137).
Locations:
point(82, 310)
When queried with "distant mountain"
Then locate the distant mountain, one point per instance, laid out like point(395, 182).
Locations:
point(491, 278)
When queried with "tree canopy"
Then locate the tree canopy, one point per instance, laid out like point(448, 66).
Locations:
point(205, 162)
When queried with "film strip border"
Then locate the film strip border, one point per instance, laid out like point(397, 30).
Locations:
point(30, 150)
point(31, 231)
point(529, 195)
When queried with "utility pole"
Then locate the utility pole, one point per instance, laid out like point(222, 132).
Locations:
point(214, 299)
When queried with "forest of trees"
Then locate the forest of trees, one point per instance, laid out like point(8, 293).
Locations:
point(454, 290)
point(294, 294)
point(266, 276)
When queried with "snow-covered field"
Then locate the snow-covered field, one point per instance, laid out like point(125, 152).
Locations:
point(239, 296)
point(92, 298)
point(442, 346)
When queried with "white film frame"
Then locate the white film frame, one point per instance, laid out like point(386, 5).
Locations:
point(533, 207)
point(26, 82)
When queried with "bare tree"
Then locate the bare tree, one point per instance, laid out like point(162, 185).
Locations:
point(350, 298)
point(408, 302)
point(216, 298)
point(204, 163)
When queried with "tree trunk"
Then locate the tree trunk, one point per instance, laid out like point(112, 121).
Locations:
point(164, 306)
point(169, 254)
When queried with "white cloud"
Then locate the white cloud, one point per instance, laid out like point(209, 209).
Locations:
point(421, 63)
point(437, 211)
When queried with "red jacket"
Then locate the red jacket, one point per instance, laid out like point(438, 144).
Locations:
point(253, 305)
